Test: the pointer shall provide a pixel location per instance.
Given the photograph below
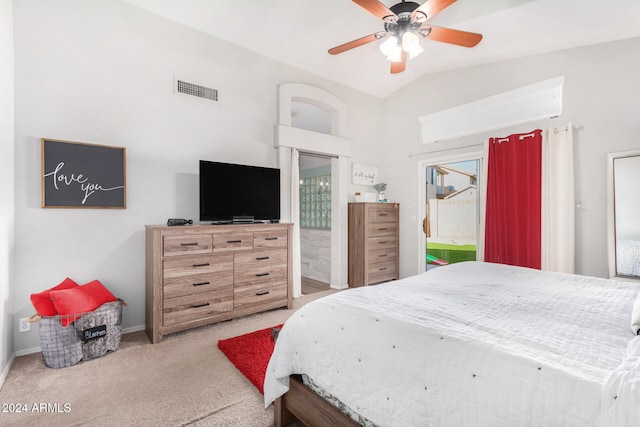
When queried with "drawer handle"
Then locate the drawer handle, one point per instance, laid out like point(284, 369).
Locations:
point(201, 265)
point(262, 258)
point(382, 268)
point(383, 214)
point(382, 243)
point(234, 241)
point(383, 229)
point(262, 274)
point(271, 238)
point(383, 255)
point(189, 244)
point(262, 293)
point(201, 283)
point(199, 305)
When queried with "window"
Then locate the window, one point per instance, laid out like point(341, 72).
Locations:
point(315, 198)
point(451, 223)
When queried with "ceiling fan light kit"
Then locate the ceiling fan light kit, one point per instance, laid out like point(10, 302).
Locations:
point(392, 47)
point(404, 24)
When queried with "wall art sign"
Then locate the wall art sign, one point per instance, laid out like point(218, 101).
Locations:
point(363, 174)
point(80, 175)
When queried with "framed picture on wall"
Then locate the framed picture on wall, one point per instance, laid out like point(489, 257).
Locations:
point(364, 174)
point(81, 175)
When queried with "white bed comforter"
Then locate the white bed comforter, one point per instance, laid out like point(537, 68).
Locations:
point(471, 344)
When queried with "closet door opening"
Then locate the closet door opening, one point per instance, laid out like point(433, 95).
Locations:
point(315, 222)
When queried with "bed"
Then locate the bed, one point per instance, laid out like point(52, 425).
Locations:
point(469, 344)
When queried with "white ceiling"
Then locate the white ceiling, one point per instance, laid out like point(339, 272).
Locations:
point(299, 32)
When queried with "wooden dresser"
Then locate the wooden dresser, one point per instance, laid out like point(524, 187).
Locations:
point(373, 243)
point(202, 274)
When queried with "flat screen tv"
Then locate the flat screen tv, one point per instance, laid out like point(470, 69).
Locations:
point(238, 193)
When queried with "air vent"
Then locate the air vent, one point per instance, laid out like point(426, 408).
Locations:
point(188, 88)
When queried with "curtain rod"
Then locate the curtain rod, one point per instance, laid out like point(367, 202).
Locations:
point(421, 153)
point(321, 156)
point(446, 149)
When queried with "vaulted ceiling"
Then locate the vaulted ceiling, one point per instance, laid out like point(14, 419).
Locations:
point(299, 32)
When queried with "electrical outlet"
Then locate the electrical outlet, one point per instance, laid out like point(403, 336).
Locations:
point(25, 326)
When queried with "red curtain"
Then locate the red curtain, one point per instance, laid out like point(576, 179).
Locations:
point(514, 200)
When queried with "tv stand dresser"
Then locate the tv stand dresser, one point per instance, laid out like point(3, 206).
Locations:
point(201, 274)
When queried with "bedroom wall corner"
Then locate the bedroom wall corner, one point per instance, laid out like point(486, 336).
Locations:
point(7, 204)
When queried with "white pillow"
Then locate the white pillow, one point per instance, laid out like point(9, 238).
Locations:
point(635, 316)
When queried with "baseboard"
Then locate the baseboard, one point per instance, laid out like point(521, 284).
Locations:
point(133, 329)
point(28, 351)
point(6, 369)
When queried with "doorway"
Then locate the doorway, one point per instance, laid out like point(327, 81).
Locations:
point(451, 223)
point(290, 140)
point(315, 222)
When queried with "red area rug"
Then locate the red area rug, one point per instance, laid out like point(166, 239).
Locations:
point(250, 353)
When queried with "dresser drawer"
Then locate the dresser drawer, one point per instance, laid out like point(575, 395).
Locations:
point(383, 213)
point(229, 242)
point(197, 284)
point(259, 259)
point(187, 245)
point(382, 242)
point(259, 294)
point(270, 239)
point(382, 229)
point(263, 275)
point(193, 307)
point(382, 271)
point(381, 255)
point(197, 265)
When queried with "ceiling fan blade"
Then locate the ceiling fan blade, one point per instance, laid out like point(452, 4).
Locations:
point(449, 35)
point(432, 7)
point(375, 7)
point(398, 67)
point(357, 42)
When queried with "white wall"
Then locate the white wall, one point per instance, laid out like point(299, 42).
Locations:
point(102, 72)
point(6, 185)
point(601, 95)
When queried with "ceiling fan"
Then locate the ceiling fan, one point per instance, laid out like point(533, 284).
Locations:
point(404, 24)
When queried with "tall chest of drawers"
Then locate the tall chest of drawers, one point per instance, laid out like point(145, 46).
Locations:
point(202, 274)
point(373, 243)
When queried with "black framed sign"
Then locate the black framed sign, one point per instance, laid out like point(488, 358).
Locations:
point(80, 175)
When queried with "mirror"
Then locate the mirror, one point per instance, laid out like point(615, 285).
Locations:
point(623, 175)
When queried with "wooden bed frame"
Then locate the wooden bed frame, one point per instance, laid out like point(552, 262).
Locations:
point(301, 404)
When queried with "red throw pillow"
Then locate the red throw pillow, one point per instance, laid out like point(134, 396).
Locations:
point(71, 303)
point(42, 300)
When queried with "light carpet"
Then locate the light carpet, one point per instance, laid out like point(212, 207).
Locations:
point(184, 380)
